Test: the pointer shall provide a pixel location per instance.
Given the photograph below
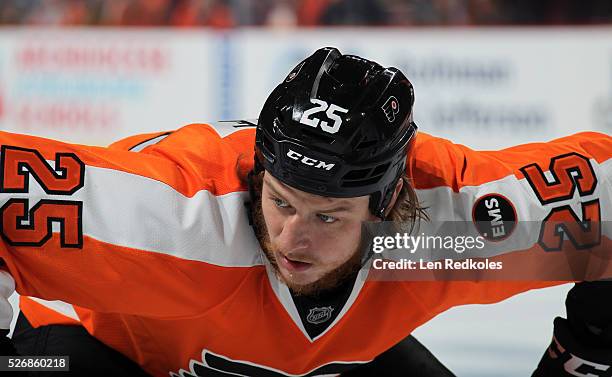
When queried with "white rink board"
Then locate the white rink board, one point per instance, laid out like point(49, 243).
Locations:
point(487, 89)
point(94, 86)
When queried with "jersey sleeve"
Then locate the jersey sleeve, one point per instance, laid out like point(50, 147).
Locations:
point(438, 163)
point(137, 143)
point(553, 226)
point(117, 231)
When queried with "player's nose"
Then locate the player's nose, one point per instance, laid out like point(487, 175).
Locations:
point(296, 234)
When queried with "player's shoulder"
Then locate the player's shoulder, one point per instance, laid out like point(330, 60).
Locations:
point(237, 134)
point(221, 128)
point(436, 152)
point(225, 128)
point(234, 133)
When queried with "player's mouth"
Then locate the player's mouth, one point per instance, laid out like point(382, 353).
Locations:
point(293, 265)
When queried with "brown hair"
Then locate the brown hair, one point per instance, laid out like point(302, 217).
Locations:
point(407, 210)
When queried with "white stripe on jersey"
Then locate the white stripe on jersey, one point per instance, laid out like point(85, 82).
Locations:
point(142, 213)
point(446, 205)
point(58, 306)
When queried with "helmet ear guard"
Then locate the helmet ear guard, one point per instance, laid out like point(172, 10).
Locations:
point(380, 200)
point(338, 126)
point(377, 205)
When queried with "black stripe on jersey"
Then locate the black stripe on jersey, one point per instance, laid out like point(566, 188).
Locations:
point(143, 144)
point(239, 123)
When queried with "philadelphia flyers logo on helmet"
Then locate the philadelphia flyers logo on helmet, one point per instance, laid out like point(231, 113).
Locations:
point(296, 71)
point(391, 108)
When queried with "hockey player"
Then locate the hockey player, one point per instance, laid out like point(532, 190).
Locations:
point(331, 147)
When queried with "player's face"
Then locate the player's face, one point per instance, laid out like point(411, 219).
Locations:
point(313, 240)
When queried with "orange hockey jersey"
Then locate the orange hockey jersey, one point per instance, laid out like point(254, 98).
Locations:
point(155, 242)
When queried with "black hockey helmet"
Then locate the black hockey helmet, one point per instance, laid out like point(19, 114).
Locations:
point(338, 126)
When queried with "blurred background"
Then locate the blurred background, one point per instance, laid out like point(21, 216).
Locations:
point(487, 73)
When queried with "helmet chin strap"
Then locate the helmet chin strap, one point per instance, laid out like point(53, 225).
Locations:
point(249, 205)
point(378, 207)
point(380, 212)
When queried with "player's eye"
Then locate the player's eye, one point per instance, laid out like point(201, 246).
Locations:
point(327, 218)
point(280, 203)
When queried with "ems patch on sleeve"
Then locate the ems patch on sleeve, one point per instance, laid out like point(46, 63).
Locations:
point(494, 217)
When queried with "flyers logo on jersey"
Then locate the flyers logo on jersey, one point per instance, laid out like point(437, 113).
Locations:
point(218, 365)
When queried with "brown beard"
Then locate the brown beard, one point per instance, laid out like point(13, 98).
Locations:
point(327, 282)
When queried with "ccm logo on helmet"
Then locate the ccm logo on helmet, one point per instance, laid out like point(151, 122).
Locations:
point(309, 161)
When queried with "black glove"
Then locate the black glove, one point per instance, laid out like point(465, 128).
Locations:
point(566, 357)
point(6, 345)
point(589, 312)
point(582, 344)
